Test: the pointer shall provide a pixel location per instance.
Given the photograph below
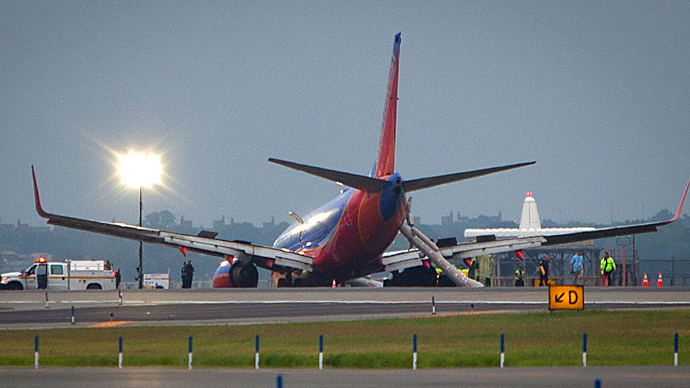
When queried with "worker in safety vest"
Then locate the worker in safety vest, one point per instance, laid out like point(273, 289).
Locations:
point(519, 277)
point(607, 268)
point(544, 271)
point(474, 269)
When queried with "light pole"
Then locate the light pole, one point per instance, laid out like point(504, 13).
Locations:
point(140, 274)
point(623, 241)
point(139, 170)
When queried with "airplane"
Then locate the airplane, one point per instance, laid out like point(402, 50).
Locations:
point(347, 238)
point(530, 224)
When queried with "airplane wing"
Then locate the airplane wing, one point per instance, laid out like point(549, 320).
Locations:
point(614, 231)
point(205, 242)
point(400, 260)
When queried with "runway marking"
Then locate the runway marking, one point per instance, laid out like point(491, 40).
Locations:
point(392, 302)
point(400, 302)
point(111, 324)
point(142, 302)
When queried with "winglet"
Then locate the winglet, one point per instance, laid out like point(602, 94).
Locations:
point(39, 208)
point(680, 207)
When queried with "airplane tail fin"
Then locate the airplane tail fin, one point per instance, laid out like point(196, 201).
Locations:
point(529, 219)
point(385, 160)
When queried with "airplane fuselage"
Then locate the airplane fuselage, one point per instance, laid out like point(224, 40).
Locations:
point(347, 236)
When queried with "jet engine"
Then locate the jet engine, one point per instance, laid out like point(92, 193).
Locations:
point(235, 274)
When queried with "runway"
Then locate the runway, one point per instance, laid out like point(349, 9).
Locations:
point(563, 377)
point(27, 309)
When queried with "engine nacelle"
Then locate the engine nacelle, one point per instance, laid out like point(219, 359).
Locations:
point(235, 274)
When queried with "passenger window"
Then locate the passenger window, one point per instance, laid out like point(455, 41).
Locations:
point(56, 270)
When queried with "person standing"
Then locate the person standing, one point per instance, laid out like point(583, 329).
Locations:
point(473, 273)
point(184, 274)
point(577, 268)
point(519, 277)
point(607, 268)
point(544, 271)
point(189, 271)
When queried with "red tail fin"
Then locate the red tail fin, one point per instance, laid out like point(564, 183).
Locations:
point(385, 161)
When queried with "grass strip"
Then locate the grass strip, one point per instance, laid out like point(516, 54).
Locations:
point(531, 339)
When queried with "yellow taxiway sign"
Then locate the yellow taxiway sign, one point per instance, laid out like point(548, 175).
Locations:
point(566, 298)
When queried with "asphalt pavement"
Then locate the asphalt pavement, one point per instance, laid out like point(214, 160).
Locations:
point(40, 310)
point(562, 377)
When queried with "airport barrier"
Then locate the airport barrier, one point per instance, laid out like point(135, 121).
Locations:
point(256, 358)
point(503, 355)
point(119, 356)
point(36, 352)
point(190, 352)
point(321, 359)
point(321, 351)
point(414, 352)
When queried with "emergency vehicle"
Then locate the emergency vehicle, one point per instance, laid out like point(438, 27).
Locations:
point(59, 276)
point(156, 280)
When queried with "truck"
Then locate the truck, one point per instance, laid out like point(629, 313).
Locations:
point(61, 276)
point(157, 280)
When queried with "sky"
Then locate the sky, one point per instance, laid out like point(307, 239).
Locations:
point(597, 92)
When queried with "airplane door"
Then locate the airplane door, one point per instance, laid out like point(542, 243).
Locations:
point(57, 278)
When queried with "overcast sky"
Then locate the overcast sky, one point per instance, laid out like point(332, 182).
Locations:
point(598, 93)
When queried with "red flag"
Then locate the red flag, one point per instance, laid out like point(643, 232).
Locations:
point(520, 255)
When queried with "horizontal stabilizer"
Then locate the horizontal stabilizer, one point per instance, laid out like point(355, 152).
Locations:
point(361, 182)
point(425, 183)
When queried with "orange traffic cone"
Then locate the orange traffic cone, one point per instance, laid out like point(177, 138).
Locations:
point(659, 283)
point(334, 285)
point(645, 282)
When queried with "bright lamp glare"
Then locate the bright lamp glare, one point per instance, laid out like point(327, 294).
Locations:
point(138, 170)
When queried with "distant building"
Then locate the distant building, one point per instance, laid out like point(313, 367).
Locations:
point(498, 218)
point(219, 224)
point(22, 227)
point(184, 224)
point(462, 219)
point(19, 227)
point(447, 220)
point(269, 225)
point(6, 226)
